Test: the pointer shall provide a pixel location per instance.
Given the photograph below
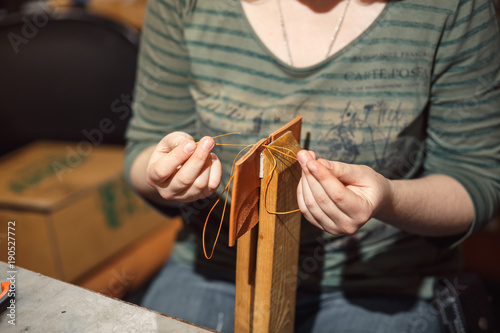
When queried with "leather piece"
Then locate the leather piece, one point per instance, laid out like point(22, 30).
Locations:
point(246, 183)
point(293, 126)
point(245, 193)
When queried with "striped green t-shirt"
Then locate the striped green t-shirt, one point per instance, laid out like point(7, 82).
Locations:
point(417, 93)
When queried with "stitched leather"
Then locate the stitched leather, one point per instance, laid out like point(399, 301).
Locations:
point(246, 183)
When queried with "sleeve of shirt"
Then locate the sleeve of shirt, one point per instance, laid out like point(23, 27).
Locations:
point(162, 102)
point(463, 133)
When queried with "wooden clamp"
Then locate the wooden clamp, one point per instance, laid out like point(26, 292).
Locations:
point(246, 184)
point(267, 256)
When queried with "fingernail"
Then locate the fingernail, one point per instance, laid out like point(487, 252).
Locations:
point(189, 147)
point(213, 156)
point(302, 159)
point(312, 168)
point(208, 144)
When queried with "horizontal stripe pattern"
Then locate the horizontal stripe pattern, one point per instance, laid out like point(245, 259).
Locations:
point(419, 90)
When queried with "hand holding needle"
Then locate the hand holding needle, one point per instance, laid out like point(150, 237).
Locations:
point(168, 149)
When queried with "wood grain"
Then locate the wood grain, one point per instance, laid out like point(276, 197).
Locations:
point(268, 304)
point(246, 184)
point(245, 281)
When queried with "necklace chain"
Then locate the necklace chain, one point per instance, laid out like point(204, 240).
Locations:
point(332, 40)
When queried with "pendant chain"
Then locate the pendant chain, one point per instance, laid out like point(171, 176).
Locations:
point(332, 40)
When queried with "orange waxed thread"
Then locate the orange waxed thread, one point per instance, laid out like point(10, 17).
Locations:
point(226, 190)
point(268, 179)
point(224, 209)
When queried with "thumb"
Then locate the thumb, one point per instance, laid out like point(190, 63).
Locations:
point(346, 173)
point(174, 139)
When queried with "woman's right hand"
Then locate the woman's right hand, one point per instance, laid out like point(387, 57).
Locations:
point(187, 172)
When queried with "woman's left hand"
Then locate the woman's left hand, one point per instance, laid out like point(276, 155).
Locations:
point(338, 197)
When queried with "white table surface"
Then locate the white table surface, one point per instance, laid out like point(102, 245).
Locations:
point(44, 304)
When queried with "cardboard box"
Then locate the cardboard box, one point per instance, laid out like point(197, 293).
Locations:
point(71, 207)
point(134, 266)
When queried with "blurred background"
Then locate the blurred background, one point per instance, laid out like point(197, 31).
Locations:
point(129, 12)
point(68, 70)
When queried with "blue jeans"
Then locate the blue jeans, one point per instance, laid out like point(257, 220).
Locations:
point(207, 300)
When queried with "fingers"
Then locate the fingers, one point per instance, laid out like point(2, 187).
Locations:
point(306, 197)
point(195, 168)
point(325, 200)
point(345, 173)
point(206, 183)
point(187, 172)
point(165, 166)
point(173, 140)
point(215, 173)
point(303, 207)
point(322, 208)
point(196, 187)
point(328, 188)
